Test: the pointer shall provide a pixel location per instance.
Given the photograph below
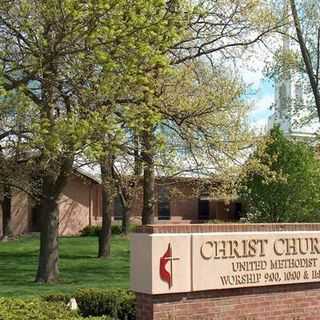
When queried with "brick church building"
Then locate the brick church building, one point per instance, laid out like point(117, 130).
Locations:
point(81, 201)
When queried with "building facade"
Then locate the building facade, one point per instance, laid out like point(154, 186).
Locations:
point(80, 205)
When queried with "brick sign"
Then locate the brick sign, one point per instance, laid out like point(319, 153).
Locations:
point(173, 263)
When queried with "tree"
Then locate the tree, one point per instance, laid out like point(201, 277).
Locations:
point(57, 55)
point(147, 60)
point(42, 48)
point(281, 181)
point(201, 127)
point(108, 194)
point(224, 29)
point(78, 65)
point(216, 31)
point(298, 59)
point(309, 43)
point(15, 170)
point(152, 29)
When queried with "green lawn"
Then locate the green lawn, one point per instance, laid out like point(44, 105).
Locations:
point(79, 267)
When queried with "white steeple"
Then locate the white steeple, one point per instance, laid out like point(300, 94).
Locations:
point(283, 89)
point(289, 95)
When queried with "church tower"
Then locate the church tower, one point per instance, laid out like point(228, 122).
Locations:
point(283, 90)
point(289, 95)
point(283, 98)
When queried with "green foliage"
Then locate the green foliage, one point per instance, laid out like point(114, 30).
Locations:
point(117, 46)
point(90, 231)
point(16, 309)
point(116, 229)
point(58, 298)
point(94, 231)
point(281, 182)
point(118, 303)
point(209, 124)
point(100, 318)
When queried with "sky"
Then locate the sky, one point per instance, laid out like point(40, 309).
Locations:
point(260, 90)
point(262, 100)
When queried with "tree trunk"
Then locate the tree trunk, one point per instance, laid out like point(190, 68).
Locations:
point(148, 179)
point(306, 57)
point(6, 213)
point(48, 270)
point(107, 207)
point(125, 220)
point(137, 156)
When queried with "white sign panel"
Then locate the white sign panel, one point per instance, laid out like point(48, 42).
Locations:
point(209, 261)
point(160, 263)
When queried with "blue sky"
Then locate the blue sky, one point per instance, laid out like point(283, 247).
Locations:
point(261, 95)
point(260, 90)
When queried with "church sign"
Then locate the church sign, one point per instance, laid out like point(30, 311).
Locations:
point(173, 263)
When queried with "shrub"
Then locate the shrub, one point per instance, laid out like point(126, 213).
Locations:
point(133, 227)
point(90, 231)
point(99, 318)
point(116, 229)
point(117, 303)
point(58, 297)
point(16, 309)
point(94, 231)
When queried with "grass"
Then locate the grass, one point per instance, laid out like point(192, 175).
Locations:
point(79, 266)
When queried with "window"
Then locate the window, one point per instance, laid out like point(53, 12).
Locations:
point(204, 208)
point(164, 204)
point(118, 208)
point(238, 211)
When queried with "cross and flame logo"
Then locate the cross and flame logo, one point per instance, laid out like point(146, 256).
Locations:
point(167, 275)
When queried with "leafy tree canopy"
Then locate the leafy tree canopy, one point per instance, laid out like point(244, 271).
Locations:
point(281, 182)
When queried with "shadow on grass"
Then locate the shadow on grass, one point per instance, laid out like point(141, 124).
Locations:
point(79, 266)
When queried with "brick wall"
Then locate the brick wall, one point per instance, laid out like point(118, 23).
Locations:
point(284, 302)
point(227, 227)
point(184, 201)
point(287, 302)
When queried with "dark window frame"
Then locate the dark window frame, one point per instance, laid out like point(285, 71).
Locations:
point(117, 204)
point(164, 208)
point(203, 209)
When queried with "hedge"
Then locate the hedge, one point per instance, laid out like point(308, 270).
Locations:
point(94, 231)
point(117, 303)
point(17, 309)
point(99, 318)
